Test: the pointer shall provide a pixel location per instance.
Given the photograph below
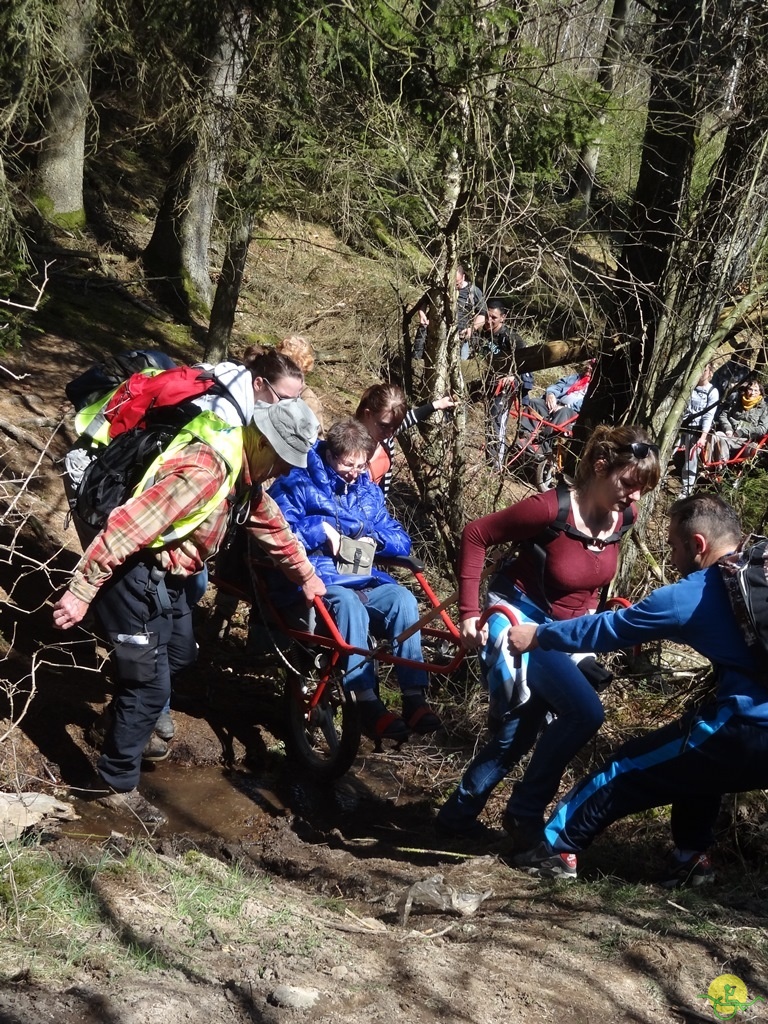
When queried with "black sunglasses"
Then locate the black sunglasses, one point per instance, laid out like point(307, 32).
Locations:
point(640, 449)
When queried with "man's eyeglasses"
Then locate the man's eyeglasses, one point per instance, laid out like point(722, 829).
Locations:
point(640, 449)
point(278, 396)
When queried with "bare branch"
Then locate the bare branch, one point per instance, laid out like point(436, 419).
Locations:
point(16, 376)
point(40, 291)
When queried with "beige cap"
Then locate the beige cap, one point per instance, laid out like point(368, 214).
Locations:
point(290, 426)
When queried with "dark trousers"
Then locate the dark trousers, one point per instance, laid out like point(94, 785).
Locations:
point(419, 340)
point(149, 645)
point(689, 764)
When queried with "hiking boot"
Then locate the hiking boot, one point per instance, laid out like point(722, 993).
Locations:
point(532, 448)
point(132, 803)
point(164, 727)
point(155, 750)
point(380, 724)
point(419, 716)
point(543, 862)
point(525, 833)
point(689, 874)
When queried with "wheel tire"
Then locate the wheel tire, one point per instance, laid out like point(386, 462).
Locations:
point(325, 743)
point(546, 475)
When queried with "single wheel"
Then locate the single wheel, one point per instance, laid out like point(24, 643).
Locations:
point(325, 739)
point(546, 474)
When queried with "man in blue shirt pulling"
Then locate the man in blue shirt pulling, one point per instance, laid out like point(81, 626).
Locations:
point(692, 762)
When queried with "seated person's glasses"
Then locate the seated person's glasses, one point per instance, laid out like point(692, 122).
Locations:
point(350, 467)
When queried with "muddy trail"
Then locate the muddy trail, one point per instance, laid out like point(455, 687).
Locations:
point(228, 780)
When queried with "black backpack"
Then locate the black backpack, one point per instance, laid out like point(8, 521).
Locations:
point(745, 574)
point(116, 469)
point(103, 377)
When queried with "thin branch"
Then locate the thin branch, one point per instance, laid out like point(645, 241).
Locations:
point(40, 290)
point(15, 376)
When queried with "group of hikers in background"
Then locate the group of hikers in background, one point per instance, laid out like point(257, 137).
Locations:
point(725, 420)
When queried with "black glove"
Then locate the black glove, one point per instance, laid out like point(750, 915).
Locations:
point(597, 675)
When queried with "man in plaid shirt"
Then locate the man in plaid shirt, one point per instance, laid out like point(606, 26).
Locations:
point(134, 578)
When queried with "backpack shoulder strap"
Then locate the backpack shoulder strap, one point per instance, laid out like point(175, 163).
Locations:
point(538, 545)
point(560, 522)
point(627, 522)
point(220, 389)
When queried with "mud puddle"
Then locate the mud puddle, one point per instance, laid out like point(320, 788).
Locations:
point(371, 808)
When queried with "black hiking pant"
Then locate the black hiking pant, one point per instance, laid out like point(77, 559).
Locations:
point(146, 620)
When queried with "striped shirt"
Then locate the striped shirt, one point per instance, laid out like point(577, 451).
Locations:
point(387, 446)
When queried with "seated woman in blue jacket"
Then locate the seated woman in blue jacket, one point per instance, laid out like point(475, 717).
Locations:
point(334, 498)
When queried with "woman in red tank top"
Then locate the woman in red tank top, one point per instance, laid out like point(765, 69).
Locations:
point(546, 704)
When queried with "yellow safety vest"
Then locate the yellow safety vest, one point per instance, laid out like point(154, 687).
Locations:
point(91, 422)
point(226, 441)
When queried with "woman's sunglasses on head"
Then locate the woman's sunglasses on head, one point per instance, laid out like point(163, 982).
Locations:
point(640, 449)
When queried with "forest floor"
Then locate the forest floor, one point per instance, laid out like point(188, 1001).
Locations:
point(354, 909)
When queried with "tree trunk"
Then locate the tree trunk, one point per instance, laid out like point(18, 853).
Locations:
point(180, 243)
point(8, 227)
point(711, 264)
point(466, 114)
point(228, 289)
point(727, 238)
point(437, 464)
point(59, 179)
point(606, 74)
point(674, 113)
